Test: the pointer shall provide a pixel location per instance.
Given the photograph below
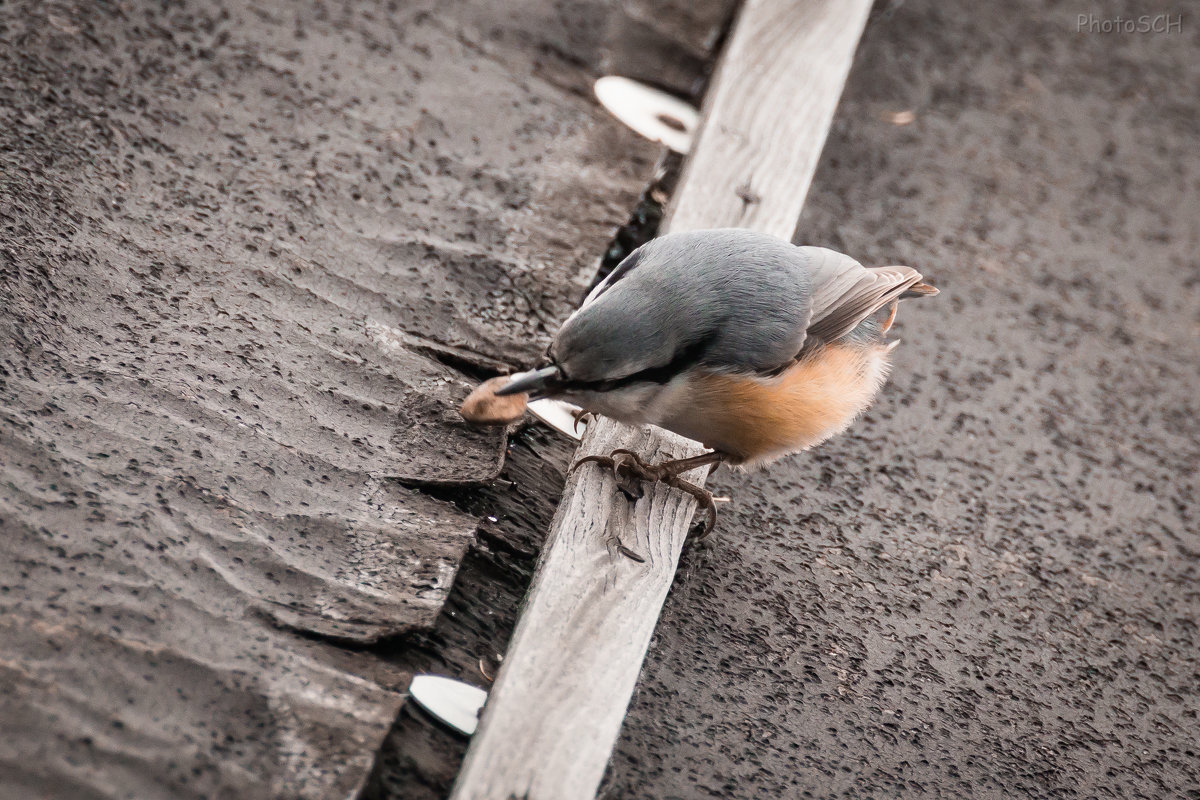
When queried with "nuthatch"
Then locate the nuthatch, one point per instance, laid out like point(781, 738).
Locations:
point(744, 342)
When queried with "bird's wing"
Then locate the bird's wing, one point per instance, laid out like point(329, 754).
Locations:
point(731, 300)
point(618, 272)
point(845, 293)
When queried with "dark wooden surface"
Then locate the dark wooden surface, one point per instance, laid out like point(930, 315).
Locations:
point(988, 587)
point(251, 259)
point(984, 589)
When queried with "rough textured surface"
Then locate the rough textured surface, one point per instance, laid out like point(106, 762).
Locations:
point(606, 567)
point(246, 256)
point(419, 759)
point(574, 657)
point(988, 588)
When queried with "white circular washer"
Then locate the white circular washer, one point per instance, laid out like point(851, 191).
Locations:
point(451, 702)
point(658, 116)
point(559, 415)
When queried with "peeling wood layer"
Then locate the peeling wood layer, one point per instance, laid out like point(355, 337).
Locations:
point(250, 261)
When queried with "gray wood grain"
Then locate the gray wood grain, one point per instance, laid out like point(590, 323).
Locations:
point(767, 115)
point(556, 709)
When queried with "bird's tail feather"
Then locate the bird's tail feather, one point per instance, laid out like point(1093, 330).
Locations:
point(919, 290)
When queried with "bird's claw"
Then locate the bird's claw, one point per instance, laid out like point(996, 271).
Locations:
point(704, 502)
point(630, 470)
point(629, 480)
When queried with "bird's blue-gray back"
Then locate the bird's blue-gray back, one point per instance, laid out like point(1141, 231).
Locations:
point(738, 301)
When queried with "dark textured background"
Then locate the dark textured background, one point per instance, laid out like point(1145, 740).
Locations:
point(989, 588)
point(252, 256)
point(986, 589)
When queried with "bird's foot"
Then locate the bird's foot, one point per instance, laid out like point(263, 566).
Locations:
point(630, 471)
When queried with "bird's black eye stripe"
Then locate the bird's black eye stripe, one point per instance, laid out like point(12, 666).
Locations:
point(684, 358)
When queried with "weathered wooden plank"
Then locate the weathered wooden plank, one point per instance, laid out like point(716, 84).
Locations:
point(558, 703)
point(575, 655)
point(767, 115)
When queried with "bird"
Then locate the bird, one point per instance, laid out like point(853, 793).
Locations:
point(753, 346)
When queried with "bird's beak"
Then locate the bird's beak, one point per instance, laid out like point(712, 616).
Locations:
point(536, 382)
